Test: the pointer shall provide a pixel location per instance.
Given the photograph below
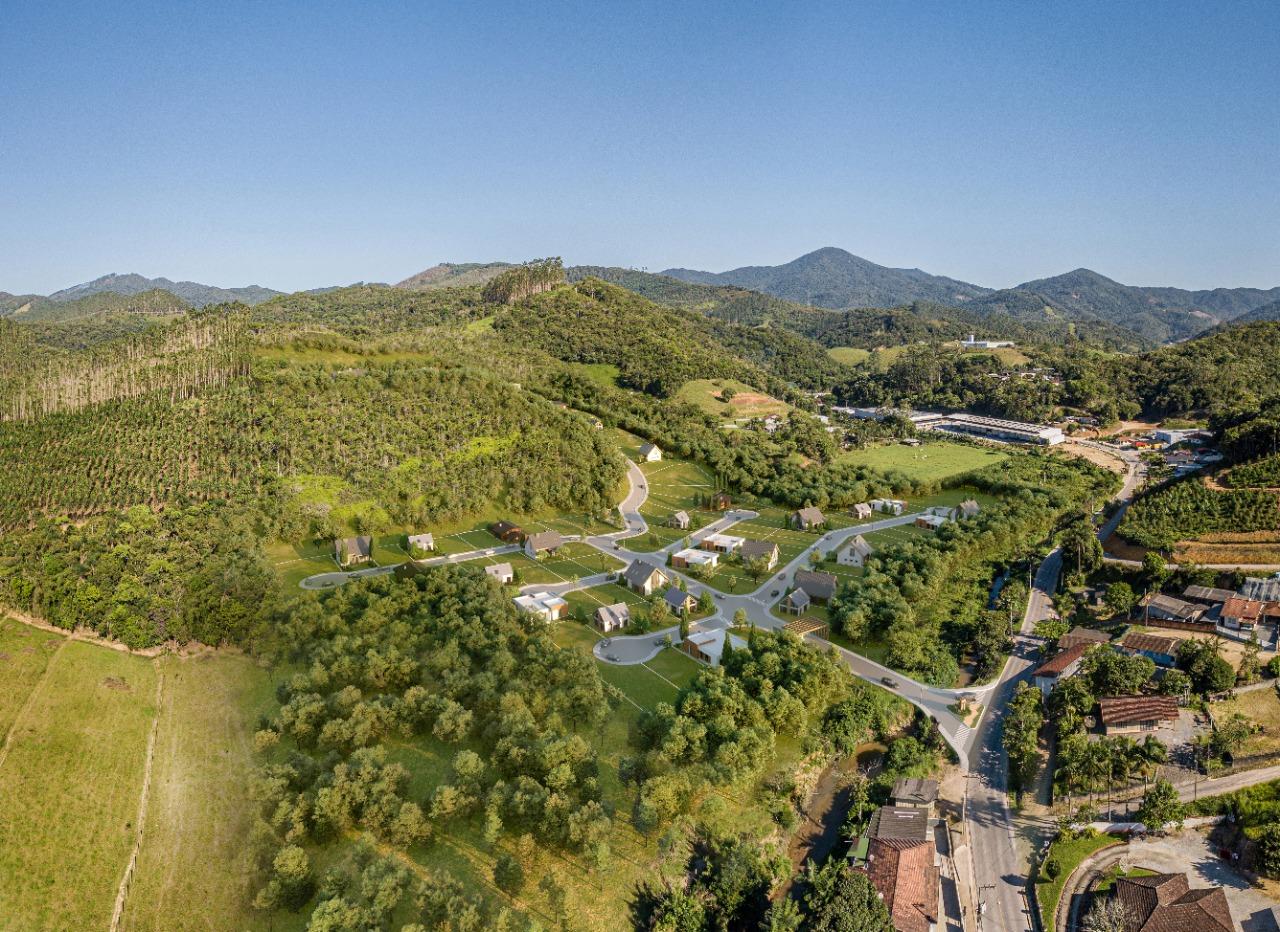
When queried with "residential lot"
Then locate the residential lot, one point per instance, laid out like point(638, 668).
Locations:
point(1261, 706)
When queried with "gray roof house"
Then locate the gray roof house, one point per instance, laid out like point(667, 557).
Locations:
point(348, 550)
point(643, 577)
point(679, 601)
point(967, 509)
point(1261, 590)
point(797, 601)
point(818, 586)
point(808, 518)
point(765, 550)
point(502, 572)
point(855, 552)
point(613, 617)
point(542, 542)
point(910, 791)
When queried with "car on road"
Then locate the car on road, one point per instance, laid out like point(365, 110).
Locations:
point(889, 681)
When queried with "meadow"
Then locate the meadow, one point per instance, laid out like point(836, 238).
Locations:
point(745, 402)
point(931, 462)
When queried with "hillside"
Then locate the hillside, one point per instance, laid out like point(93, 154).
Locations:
point(1265, 312)
point(833, 278)
point(453, 274)
point(194, 293)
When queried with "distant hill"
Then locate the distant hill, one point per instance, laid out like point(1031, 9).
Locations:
point(155, 302)
point(12, 303)
point(834, 278)
point(194, 293)
point(1265, 312)
point(452, 275)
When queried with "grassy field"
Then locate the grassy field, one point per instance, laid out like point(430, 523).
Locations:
point(929, 462)
point(747, 402)
point(848, 355)
point(199, 815)
point(72, 779)
point(1246, 548)
point(24, 655)
point(674, 485)
point(1009, 355)
point(1260, 706)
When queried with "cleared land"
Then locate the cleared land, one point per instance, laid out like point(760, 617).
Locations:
point(24, 655)
point(849, 355)
point(745, 402)
point(72, 780)
point(929, 462)
point(1262, 707)
point(1245, 548)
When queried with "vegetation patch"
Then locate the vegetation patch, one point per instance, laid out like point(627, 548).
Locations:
point(932, 462)
point(1063, 857)
point(729, 398)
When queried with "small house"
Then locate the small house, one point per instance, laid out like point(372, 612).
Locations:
point(930, 522)
point(721, 543)
point(1086, 636)
point(694, 556)
point(1163, 651)
point(421, 543)
point(891, 506)
point(719, 501)
point(502, 572)
point(765, 550)
point(643, 577)
point(854, 553)
point(797, 600)
point(1207, 595)
point(1167, 608)
point(613, 617)
point(506, 532)
point(916, 793)
point(808, 519)
point(862, 511)
point(708, 646)
point(967, 509)
point(542, 542)
point(820, 587)
point(542, 605)
point(679, 521)
point(1125, 715)
point(650, 453)
point(1241, 614)
point(1057, 668)
point(680, 602)
point(349, 551)
point(907, 877)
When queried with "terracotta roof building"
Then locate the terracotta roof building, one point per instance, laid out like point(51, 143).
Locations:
point(905, 875)
point(1166, 903)
point(1121, 714)
point(1085, 636)
point(1058, 667)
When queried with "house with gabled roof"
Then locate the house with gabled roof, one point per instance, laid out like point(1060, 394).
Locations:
point(506, 532)
point(967, 509)
point(797, 600)
point(862, 511)
point(1085, 636)
point(1061, 665)
point(765, 550)
point(808, 519)
point(708, 646)
point(854, 552)
point(679, 520)
point(502, 572)
point(542, 542)
point(1241, 614)
point(679, 601)
point(650, 453)
point(819, 586)
point(1167, 608)
point(1166, 903)
point(1123, 715)
point(349, 551)
point(613, 617)
point(1161, 650)
point(643, 577)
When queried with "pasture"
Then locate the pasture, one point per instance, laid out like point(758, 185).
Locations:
point(744, 402)
point(848, 355)
point(931, 462)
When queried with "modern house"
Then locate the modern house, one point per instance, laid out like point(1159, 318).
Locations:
point(892, 506)
point(542, 605)
point(1207, 595)
point(643, 577)
point(808, 519)
point(679, 601)
point(1125, 715)
point(854, 552)
point(765, 550)
point(1057, 668)
point(650, 453)
point(423, 542)
point(708, 646)
point(349, 551)
point(1167, 608)
point(797, 600)
point(930, 522)
point(1085, 636)
point(919, 794)
point(862, 511)
point(1241, 614)
point(613, 617)
point(542, 542)
point(679, 521)
point(1166, 903)
point(719, 501)
point(1162, 650)
point(820, 587)
point(693, 556)
point(502, 572)
point(721, 543)
point(506, 532)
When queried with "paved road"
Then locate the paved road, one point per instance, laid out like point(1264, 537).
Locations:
point(329, 580)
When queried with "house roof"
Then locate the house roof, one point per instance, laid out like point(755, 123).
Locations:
point(969, 508)
point(934, 521)
point(753, 549)
point(1207, 594)
point(1078, 635)
point(544, 540)
point(797, 598)
point(1127, 710)
point(859, 545)
point(1165, 903)
point(921, 792)
point(357, 546)
point(676, 598)
point(697, 556)
point(817, 585)
point(1249, 610)
point(681, 516)
point(647, 448)
point(1152, 643)
point(724, 540)
point(500, 528)
point(638, 573)
point(1058, 663)
point(1172, 606)
point(711, 643)
point(539, 602)
point(811, 515)
point(905, 822)
point(1264, 590)
point(862, 506)
point(426, 541)
point(618, 612)
point(499, 570)
point(906, 878)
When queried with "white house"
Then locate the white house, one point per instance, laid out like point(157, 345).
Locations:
point(862, 511)
point(421, 542)
point(721, 543)
point(692, 556)
point(650, 453)
point(542, 605)
point(708, 646)
point(854, 553)
point(502, 572)
point(613, 617)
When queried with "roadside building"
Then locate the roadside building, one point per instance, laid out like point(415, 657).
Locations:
point(854, 552)
point(502, 572)
point(1166, 903)
point(820, 587)
point(680, 602)
point(906, 875)
point(613, 617)
point(1241, 614)
point(1124, 715)
point(650, 453)
point(679, 520)
point(1085, 636)
point(542, 543)
point(796, 601)
point(422, 542)
point(542, 605)
point(643, 577)
point(914, 792)
point(1057, 668)
point(930, 522)
point(1163, 651)
point(1207, 595)
point(708, 646)
point(721, 543)
point(808, 519)
point(507, 532)
point(1167, 608)
point(692, 556)
point(350, 551)
point(765, 550)
point(892, 506)
point(862, 511)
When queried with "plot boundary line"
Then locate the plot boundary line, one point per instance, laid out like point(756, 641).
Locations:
point(26, 706)
point(122, 892)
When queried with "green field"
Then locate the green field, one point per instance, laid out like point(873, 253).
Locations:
point(848, 355)
point(930, 462)
point(746, 403)
point(24, 654)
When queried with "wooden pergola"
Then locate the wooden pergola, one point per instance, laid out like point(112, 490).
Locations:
point(807, 625)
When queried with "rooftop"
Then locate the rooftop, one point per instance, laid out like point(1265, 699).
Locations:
point(1127, 710)
point(1151, 643)
point(916, 791)
point(1058, 663)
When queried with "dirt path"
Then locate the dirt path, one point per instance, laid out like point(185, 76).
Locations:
point(31, 697)
point(122, 892)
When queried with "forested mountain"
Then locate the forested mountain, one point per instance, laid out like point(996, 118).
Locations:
point(194, 293)
point(9, 303)
point(155, 302)
point(1265, 312)
point(452, 275)
point(833, 278)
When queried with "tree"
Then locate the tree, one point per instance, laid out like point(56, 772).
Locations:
point(1161, 806)
point(1120, 598)
point(1267, 859)
point(1021, 736)
point(838, 899)
point(1174, 683)
point(508, 874)
point(1108, 915)
point(1115, 674)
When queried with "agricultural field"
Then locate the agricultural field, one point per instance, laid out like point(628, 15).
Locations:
point(931, 462)
point(848, 355)
point(745, 402)
point(1247, 548)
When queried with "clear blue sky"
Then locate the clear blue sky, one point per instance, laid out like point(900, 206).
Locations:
point(304, 144)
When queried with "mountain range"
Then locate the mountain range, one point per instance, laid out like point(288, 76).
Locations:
point(194, 293)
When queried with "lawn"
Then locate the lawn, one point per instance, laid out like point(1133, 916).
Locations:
point(744, 403)
point(674, 485)
point(192, 864)
point(934, 461)
point(848, 355)
point(1260, 706)
point(72, 780)
point(24, 654)
point(1069, 852)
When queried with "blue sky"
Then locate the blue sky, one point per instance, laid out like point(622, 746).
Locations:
point(300, 145)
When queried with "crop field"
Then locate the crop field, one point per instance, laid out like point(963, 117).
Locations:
point(1245, 548)
point(929, 462)
point(72, 777)
point(745, 402)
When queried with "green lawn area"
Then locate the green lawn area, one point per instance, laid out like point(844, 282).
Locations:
point(933, 461)
point(1260, 706)
point(746, 402)
point(1115, 873)
point(1069, 852)
point(848, 355)
point(674, 485)
point(602, 373)
point(572, 561)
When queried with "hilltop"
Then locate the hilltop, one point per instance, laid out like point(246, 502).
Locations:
point(194, 293)
point(452, 275)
